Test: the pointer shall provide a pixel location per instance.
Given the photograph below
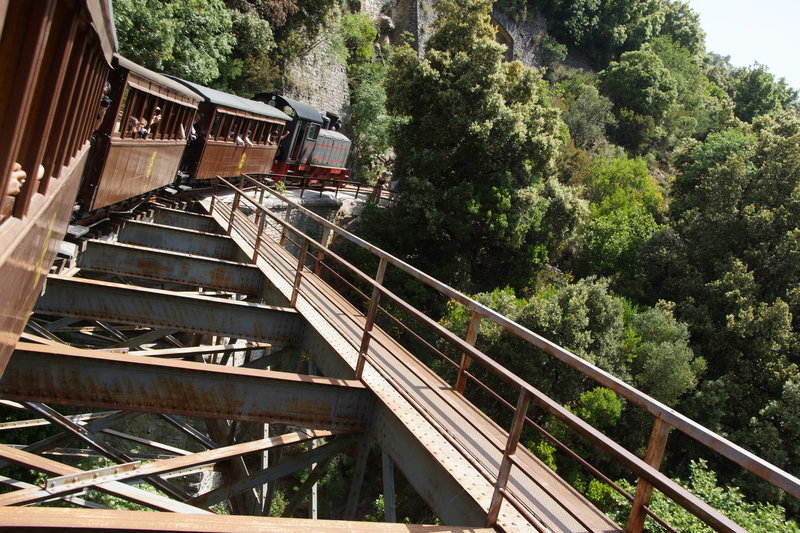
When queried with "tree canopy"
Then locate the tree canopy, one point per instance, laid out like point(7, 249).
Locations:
point(476, 142)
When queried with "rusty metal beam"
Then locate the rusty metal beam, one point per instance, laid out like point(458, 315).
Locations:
point(82, 377)
point(194, 351)
point(101, 446)
point(115, 488)
point(144, 338)
point(182, 219)
point(125, 304)
point(69, 483)
point(174, 267)
point(272, 473)
point(53, 519)
point(112, 419)
point(181, 240)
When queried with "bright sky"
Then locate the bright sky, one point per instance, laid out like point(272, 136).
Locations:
point(766, 31)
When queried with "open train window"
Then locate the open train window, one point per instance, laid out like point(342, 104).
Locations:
point(213, 133)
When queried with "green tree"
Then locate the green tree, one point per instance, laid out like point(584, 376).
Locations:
point(661, 349)
point(625, 203)
point(756, 92)
point(605, 29)
point(476, 139)
point(701, 105)
point(639, 81)
point(370, 122)
point(190, 39)
point(249, 68)
point(731, 266)
point(622, 183)
point(588, 114)
point(682, 26)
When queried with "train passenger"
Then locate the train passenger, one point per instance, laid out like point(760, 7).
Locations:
point(133, 126)
point(105, 101)
point(247, 140)
point(142, 131)
point(16, 179)
point(154, 120)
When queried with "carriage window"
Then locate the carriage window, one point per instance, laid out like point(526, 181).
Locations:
point(313, 132)
point(255, 133)
point(233, 129)
point(216, 127)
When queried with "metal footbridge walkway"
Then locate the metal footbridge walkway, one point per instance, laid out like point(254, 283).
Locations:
point(187, 313)
point(487, 476)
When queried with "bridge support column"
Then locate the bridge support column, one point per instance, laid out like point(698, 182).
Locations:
point(362, 454)
point(389, 508)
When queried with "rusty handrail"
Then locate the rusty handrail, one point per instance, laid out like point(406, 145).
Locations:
point(662, 413)
point(745, 459)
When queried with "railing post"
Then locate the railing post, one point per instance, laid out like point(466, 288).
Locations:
point(466, 360)
point(323, 240)
point(213, 196)
point(511, 448)
point(371, 313)
point(259, 233)
point(644, 490)
point(299, 274)
point(234, 208)
point(287, 217)
point(261, 195)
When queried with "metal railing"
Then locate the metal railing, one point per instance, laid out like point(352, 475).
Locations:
point(376, 193)
point(312, 255)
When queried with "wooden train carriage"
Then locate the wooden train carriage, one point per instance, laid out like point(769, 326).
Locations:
point(141, 141)
point(233, 135)
point(55, 56)
point(312, 148)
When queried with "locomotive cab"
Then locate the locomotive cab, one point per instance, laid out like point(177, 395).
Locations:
point(311, 148)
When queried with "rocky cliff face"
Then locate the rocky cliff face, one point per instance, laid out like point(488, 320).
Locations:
point(320, 78)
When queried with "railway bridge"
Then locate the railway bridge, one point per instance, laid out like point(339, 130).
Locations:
point(269, 353)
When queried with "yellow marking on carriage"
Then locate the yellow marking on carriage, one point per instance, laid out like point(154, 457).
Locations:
point(150, 164)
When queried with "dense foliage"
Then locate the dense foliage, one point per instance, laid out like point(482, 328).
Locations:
point(475, 147)
point(241, 46)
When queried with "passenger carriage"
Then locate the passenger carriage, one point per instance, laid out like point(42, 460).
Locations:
point(140, 143)
point(232, 135)
point(55, 57)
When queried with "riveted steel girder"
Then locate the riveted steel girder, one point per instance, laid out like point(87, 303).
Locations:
point(71, 376)
point(180, 240)
point(161, 265)
point(73, 482)
point(116, 488)
point(182, 219)
point(125, 304)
